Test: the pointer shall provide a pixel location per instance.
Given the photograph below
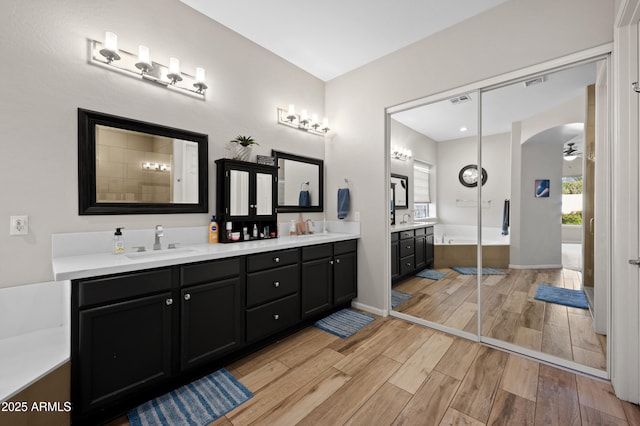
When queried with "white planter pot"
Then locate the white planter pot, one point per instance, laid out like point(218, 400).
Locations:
point(242, 152)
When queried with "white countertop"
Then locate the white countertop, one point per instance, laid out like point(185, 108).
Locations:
point(96, 264)
point(410, 225)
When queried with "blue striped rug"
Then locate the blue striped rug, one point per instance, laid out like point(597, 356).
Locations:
point(431, 274)
point(399, 297)
point(344, 323)
point(562, 296)
point(472, 270)
point(196, 404)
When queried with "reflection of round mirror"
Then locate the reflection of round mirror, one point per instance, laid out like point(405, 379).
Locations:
point(468, 176)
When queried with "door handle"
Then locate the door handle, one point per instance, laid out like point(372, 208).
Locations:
point(634, 262)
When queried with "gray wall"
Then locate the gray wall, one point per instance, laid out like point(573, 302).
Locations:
point(511, 36)
point(47, 77)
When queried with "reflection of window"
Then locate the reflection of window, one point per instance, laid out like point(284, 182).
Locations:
point(421, 192)
point(572, 200)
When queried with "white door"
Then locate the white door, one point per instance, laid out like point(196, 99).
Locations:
point(625, 315)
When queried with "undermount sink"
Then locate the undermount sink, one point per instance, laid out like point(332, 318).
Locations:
point(163, 252)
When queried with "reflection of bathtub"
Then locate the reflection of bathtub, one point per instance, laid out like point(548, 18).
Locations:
point(455, 245)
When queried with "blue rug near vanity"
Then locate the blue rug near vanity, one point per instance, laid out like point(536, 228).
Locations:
point(196, 404)
point(399, 297)
point(344, 323)
point(432, 274)
point(562, 296)
point(472, 270)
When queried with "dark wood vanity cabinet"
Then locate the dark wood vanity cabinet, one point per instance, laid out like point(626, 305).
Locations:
point(137, 335)
point(246, 196)
point(411, 251)
point(329, 276)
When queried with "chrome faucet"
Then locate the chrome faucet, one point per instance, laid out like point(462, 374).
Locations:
point(404, 216)
point(159, 233)
point(307, 228)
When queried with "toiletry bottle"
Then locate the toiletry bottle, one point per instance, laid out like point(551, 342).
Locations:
point(229, 230)
point(118, 241)
point(213, 231)
point(292, 229)
point(255, 230)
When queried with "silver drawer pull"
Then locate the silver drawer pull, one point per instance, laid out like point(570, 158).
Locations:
point(276, 259)
point(187, 296)
point(408, 247)
point(169, 301)
point(276, 284)
point(408, 264)
point(331, 262)
point(276, 317)
point(337, 260)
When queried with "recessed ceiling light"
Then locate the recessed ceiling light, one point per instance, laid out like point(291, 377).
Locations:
point(463, 129)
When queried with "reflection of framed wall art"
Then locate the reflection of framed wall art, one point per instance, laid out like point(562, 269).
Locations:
point(402, 190)
point(542, 188)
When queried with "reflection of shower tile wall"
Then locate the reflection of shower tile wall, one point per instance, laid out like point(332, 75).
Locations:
point(120, 176)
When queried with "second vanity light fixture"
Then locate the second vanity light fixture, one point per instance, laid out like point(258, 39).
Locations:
point(400, 153)
point(108, 55)
point(302, 121)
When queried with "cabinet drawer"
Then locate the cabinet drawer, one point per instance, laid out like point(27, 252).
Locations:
point(209, 271)
point(108, 289)
point(429, 230)
point(407, 248)
point(406, 234)
point(272, 284)
point(272, 317)
point(258, 262)
point(344, 247)
point(317, 252)
point(421, 231)
point(407, 264)
point(395, 236)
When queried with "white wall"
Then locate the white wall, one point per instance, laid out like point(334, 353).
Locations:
point(457, 204)
point(47, 77)
point(509, 37)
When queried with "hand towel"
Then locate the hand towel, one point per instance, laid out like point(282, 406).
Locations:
point(505, 218)
point(304, 199)
point(343, 202)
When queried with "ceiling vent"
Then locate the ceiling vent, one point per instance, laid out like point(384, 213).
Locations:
point(460, 99)
point(534, 81)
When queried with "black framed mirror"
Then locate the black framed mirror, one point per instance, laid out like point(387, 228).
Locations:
point(300, 183)
point(127, 166)
point(468, 176)
point(401, 183)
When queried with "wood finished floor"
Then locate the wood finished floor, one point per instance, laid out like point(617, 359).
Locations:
point(396, 373)
point(510, 312)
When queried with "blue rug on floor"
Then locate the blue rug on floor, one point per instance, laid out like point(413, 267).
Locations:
point(399, 297)
point(431, 274)
point(472, 270)
point(344, 323)
point(196, 404)
point(562, 296)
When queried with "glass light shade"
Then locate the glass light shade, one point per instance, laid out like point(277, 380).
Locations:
point(111, 41)
point(199, 75)
point(292, 110)
point(570, 157)
point(143, 54)
point(174, 66)
point(304, 116)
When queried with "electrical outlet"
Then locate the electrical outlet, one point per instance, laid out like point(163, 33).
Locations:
point(357, 216)
point(19, 225)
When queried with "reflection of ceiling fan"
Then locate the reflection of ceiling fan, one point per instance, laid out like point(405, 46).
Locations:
point(571, 152)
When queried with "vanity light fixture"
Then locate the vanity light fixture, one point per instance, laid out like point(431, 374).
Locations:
point(302, 121)
point(106, 54)
point(156, 166)
point(399, 153)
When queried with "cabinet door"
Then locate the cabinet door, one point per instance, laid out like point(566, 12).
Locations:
point(124, 347)
point(345, 282)
point(212, 321)
point(429, 254)
point(420, 245)
point(395, 260)
point(264, 201)
point(239, 181)
point(316, 287)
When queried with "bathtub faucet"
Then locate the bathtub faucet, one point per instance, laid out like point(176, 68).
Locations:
point(443, 238)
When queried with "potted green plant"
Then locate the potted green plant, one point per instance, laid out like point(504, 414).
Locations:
point(243, 145)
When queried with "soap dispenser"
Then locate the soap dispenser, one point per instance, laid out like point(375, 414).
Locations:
point(118, 241)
